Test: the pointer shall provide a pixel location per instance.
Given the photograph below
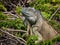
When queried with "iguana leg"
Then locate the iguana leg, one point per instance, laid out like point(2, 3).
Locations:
point(28, 28)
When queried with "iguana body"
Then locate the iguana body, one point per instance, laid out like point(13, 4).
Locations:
point(40, 26)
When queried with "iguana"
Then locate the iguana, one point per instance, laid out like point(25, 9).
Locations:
point(39, 26)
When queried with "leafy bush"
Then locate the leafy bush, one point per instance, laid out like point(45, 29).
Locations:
point(2, 16)
point(18, 9)
point(46, 15)
point(55, 25)
point(2, 8)
point(48, 7)
point(31, 39)
point(17, 24)
point(50, 42)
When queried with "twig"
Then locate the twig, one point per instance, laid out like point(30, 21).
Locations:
point(14, 15)
point(23, 41)
point(11, 18)
point(54, 14)
point(10, 39)
point(11, 14)
point(19, 4)
point(7, 39)
point(16, 31)
point(13, 30)
point(3, 40)
point(23, 3)
point(12, 3)
point(24, 35)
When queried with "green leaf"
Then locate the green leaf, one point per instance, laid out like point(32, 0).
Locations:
point(45, 15)
point(18, 9)
point(2, 8)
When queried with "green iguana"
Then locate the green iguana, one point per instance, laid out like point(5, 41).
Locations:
point(39, 26)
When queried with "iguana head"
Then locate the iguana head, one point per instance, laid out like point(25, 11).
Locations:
point(30, 14)
point(28, 11)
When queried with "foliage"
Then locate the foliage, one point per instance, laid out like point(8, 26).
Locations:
point(18, 9)
point(17, 23)
point(46, 15)
point(57, 39)
point(47, 8)
point(2, 8)
point(31, 39)
point(2, 16)
point(55, 0)
point(55, 25)
point(50, 42)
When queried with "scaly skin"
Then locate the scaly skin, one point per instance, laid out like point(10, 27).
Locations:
point(30, 14)
point(40, 26)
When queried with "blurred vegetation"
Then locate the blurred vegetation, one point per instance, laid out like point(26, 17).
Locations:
point(2, 8)
point(47, 8)
point(31, 39)
point(50, 42)
point(16, 24)
point(8, 23)
point(18, 9)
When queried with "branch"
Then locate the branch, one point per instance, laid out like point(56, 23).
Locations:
point(13, 30)
point(23, 41)
point(7, 39)
point(14, 15)
point(54, 14)
point(11, 18)
point(22, 3)
point(12, 3)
